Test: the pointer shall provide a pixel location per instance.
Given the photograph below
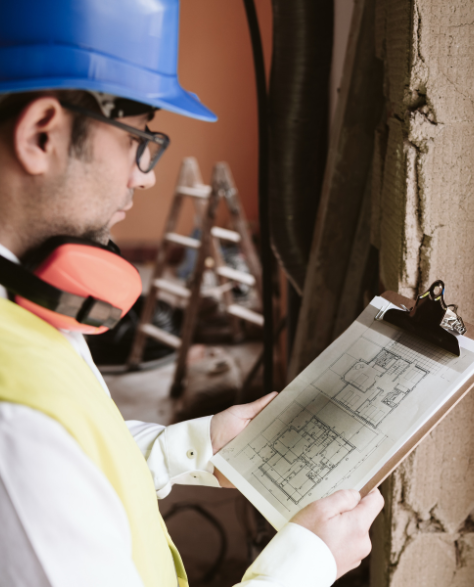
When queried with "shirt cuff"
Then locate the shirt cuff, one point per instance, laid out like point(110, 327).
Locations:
point(295, 556)
point(188, 451)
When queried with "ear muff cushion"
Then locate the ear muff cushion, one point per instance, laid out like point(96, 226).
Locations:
point(86, 270)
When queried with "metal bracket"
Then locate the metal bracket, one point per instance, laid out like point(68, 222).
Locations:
point(431, 319)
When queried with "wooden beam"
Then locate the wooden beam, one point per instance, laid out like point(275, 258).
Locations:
point(351, 302)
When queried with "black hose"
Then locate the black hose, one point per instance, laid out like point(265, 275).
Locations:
point(265, 245)
point(258, 363)
point(298, 121)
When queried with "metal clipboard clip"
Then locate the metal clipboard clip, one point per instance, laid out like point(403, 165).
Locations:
point(431, 319)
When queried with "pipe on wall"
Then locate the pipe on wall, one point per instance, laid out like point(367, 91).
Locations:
point(263, 193)
point(298, 126)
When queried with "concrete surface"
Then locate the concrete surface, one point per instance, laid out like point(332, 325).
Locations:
point(423, 213)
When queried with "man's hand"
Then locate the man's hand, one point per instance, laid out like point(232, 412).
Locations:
point(342, 521)
point(226, 425)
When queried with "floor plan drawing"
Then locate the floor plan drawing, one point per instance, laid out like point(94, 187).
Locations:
point(342, 420)
point(372, 389)
point(303, 446)
point(300, 459)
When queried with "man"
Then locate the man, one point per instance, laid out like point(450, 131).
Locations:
point(79, 80)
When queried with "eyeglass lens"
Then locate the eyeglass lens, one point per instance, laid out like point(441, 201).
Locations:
point(148, 153)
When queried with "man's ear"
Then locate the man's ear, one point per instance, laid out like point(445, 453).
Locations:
point(41, 136)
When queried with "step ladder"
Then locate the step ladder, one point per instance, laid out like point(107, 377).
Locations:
point(240, 235)
point(206, 199)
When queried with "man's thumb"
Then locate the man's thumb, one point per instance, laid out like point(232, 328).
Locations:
point(252, 409)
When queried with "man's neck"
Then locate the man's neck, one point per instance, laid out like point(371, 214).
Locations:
point(11, 237)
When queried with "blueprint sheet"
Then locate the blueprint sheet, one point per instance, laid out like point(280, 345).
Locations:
point(343, 417)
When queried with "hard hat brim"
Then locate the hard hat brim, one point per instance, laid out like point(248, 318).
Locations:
point(95, 72)
point(182, 102)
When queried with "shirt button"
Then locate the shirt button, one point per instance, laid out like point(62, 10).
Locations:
point(191, 454)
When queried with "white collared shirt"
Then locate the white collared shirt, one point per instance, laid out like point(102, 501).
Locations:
point(63, 525)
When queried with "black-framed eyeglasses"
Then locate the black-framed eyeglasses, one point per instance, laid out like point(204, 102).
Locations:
point(151, 145)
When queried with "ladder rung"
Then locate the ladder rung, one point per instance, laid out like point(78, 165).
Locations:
point(245, 314)
point(161, 335)
point(234, 275)
point(172, 288)
point(202, 191)
point(218, 289)
point(225, 235)
point(185, 241)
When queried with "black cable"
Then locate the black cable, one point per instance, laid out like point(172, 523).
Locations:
point(180, 507)
point(265, 246)
point(258, 363)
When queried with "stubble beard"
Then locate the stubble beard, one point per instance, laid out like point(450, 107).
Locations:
point(101, 235)
point(56, 223)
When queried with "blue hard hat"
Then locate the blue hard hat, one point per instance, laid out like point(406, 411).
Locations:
point(127, 48)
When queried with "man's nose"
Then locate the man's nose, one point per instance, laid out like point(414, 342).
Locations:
point(140, 180)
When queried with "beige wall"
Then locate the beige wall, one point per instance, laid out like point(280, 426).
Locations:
point(423, 208)
point(216, 63)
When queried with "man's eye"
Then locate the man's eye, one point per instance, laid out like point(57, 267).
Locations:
point(134, 139)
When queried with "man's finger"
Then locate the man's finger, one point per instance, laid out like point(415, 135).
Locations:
point(339, 502)
point(369, 507)
point(223, 481)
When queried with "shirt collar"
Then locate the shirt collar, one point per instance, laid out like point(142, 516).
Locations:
point(8, 254)
point(4, 252)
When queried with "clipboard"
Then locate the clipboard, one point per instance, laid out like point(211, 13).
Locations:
point(415, 440)
point(323, 432)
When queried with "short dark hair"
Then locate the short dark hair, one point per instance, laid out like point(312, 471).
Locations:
point(13, 104)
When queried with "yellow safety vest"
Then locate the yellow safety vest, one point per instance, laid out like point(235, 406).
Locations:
point(40, 369)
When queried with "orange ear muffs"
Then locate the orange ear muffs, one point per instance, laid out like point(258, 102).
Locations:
point(74, 284)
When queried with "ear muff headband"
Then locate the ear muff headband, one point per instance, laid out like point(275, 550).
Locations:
point(73, 284)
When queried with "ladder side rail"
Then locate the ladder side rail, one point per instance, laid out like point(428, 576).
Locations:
point(189, 176)
point(239, 221)
point(195, 287)
point(146, 316)
point(227, 295)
